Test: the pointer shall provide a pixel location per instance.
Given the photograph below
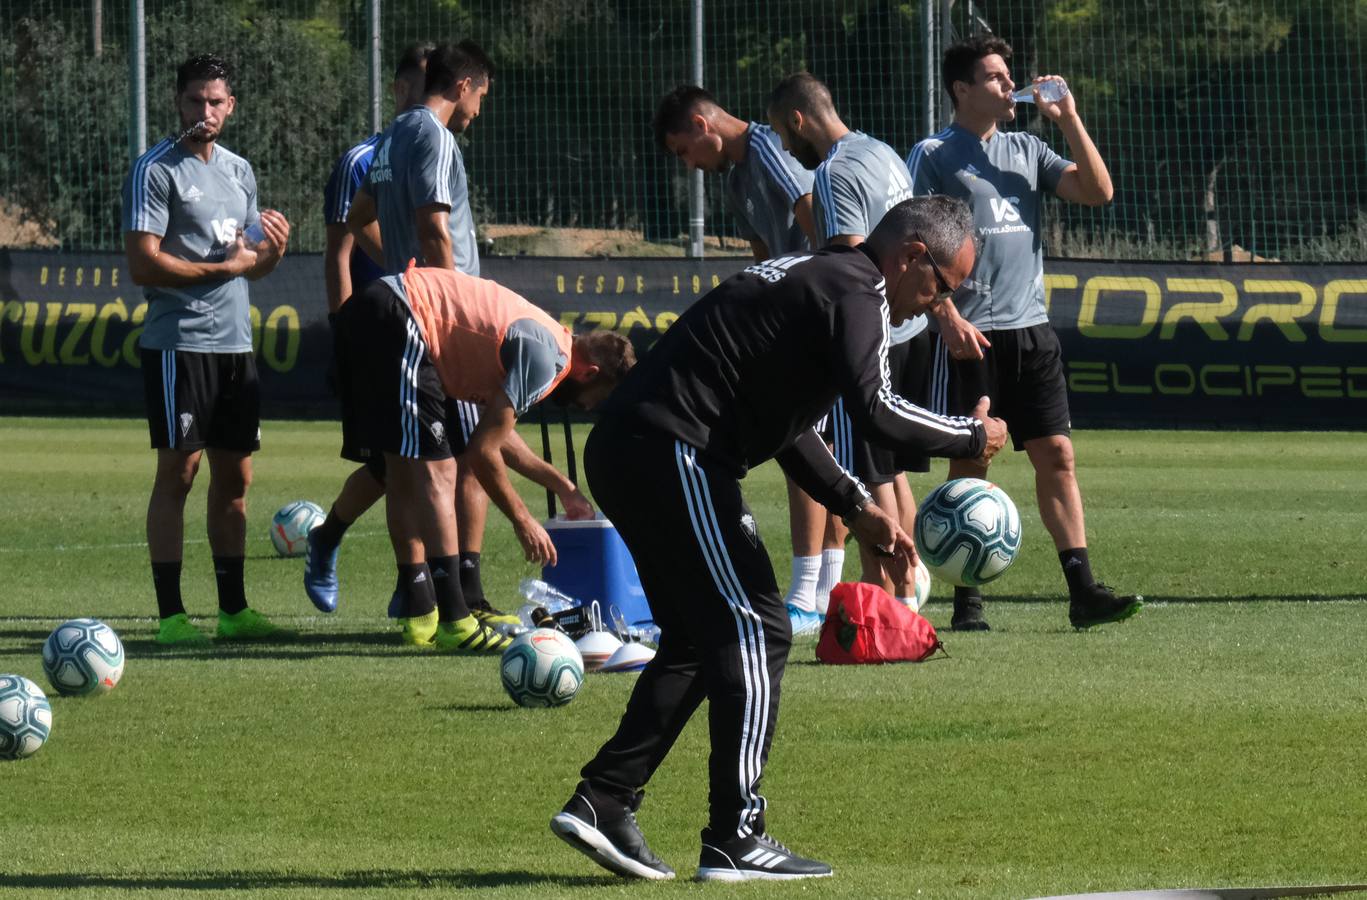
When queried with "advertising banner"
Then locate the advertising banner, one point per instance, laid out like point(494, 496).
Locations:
point(1145, 344)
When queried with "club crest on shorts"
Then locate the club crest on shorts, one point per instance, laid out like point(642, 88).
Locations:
point(747, 526)
point(438, 431)
point(186, 420)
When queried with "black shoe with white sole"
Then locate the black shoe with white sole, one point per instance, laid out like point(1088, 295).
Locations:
point(608, 835)
point(752, 858)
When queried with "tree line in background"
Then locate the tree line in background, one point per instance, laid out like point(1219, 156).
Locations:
point(1227, 126)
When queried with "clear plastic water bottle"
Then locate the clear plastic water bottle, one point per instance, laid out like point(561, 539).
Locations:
point(254, 235)
point(1051, 91)
point(534, 590)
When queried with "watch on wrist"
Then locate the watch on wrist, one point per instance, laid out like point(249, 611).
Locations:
point(849, 517)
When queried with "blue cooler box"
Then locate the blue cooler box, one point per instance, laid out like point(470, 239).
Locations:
point(595, 565)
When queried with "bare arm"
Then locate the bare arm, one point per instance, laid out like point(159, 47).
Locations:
point(961, 337)
point(485, 456)
point(337, 265)
point(520, 458)
point(806, 220)
point(362, 223)
point(1087, 181)
point(434, 240)
point(149, 267)
point(847, 240)
point(759, 249)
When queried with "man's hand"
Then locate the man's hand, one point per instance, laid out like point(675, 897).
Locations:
point(875, 528)
point(277, 229)
point(239, 257)
point(962, 339)
point(1054, 112)
point(576, 504)
point(995, 428)
point(536, 543)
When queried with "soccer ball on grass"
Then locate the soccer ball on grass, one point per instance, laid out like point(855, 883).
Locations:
point(542, 667)
point(967, 531)
point(25, 717)
point(83, 656)
point(291, 524)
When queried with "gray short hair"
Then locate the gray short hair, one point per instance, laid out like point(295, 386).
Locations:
point(942, 222)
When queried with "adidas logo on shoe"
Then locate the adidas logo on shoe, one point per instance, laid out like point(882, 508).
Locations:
point(755, 857)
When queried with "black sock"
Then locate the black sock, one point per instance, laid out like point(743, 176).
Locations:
point(1077, 568)
point(166, 582)
point(446, 583)
point(416, 583)
point(470, 584)
point(970, 594)
point(331, 531)
point(232, 595)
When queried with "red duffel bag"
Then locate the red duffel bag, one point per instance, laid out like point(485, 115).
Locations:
point(864, 625)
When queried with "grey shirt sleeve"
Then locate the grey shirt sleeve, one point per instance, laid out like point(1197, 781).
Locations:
point(845, 206)
point(1051, 166)
point(429, 168)
point(532, 360)
point(147, 199)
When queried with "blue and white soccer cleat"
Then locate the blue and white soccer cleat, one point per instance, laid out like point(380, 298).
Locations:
point(804, 621)
point(320, 575)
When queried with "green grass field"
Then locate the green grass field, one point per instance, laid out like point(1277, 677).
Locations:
point(1217, 738)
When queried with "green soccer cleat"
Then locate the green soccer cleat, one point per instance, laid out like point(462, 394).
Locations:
point(418, 631)
point(491, 616)
point(177, 630)
point(247, 625)
point(470, 635)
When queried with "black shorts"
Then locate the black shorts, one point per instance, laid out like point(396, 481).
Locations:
point(461, 418)
point(909, 365)
point(1023, 374)
point(199, 400)
point(392, 399)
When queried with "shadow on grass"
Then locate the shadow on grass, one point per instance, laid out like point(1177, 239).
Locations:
point(476, 707)
point(260, 881)
point(291, 645)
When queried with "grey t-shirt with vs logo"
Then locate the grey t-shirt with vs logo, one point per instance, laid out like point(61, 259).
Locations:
point(1001, 179)
point(197, 209)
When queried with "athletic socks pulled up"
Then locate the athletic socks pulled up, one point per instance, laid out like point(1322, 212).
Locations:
point(1077, 569)
point(471, 585)
point(446, 584)
point(415, 586)
point(832, 569)
point(232, 595)
point(802, 588)
point(329, 534)
point(166, 582)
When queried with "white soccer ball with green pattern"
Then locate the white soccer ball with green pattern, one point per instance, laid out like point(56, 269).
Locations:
point(291, 524)
point(542, 667)
point(967, 531)
point(83, 656)
point(25, 717)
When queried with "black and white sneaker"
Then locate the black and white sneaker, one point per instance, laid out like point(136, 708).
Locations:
point(609, 837)
point(755, 857)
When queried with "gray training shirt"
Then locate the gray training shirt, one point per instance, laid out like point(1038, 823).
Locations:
point(418, 164)
point(762, 188)
point(860, 180)
point(1001, 179)
point(197, 209)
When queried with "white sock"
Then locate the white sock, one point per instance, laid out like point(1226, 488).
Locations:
point(802, 590)
point(832, 567)
point(909, 603)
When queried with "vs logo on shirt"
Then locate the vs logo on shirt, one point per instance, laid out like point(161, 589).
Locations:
point(224, 229)
point(1004, 209)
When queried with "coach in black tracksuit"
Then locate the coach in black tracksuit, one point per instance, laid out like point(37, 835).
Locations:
point(740, 378)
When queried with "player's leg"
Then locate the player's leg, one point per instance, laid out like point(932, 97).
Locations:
point(1043, 428)
point(360, 491)
point(952, 384)
point(807, 527)
point(871, 569)
point(175, 393)
point(635, 482)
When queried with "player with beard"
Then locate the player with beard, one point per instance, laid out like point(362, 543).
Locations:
point(189, 207)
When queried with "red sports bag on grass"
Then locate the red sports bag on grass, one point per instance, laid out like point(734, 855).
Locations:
point(865, 625)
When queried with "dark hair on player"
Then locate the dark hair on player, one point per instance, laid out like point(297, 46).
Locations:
point(451, 63)
point(676, 108)
point(204, 67)
point(960, 57)
point(609, 351)
point(941, 222)
point(803, 92)
point(413, 59)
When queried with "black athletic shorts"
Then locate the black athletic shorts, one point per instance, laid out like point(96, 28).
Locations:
point(199, 400)
point(1023, 374)
point(461, 418)
point(909, 366)
point(392, 399)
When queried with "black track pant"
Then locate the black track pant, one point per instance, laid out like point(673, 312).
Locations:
point(724, 634)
